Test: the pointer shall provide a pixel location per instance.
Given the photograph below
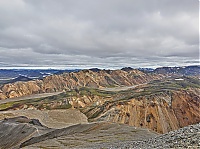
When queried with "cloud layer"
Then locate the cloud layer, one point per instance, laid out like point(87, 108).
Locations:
point(99, 33)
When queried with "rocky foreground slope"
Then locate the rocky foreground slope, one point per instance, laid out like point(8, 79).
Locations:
point(84, 78)
point(22, 132)
point(187, 137)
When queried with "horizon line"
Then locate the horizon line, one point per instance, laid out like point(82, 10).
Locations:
point(79, 68)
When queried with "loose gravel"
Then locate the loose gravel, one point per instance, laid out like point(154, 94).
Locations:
point(187, 137)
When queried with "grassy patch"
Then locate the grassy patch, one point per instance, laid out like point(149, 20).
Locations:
point(6, 105)
point(66, 106)
point(97, 92)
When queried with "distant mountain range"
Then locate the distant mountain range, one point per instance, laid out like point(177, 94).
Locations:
point(187, 70)
point(31, 73)
point(14, 75)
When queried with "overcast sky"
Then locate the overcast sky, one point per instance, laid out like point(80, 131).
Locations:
point(99, 33)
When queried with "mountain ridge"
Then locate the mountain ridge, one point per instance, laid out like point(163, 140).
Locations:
point(84, 78)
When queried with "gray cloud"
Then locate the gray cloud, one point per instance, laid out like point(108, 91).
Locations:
point(94, 33)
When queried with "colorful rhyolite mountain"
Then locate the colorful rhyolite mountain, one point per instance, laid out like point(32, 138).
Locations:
point(160, 102)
